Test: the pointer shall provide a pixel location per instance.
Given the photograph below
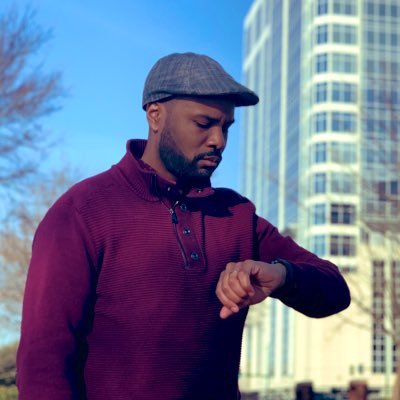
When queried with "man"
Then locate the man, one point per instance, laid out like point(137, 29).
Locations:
point(141, 277)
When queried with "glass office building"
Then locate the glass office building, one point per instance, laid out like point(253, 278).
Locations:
point(322, 162)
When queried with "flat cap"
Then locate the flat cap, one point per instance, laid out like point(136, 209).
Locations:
point(191, 74)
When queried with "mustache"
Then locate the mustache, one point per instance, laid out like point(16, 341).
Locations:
point(215, 153)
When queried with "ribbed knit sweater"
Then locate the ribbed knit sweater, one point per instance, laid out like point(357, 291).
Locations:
point(120, 298)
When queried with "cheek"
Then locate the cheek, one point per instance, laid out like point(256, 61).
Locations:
point(192, 142)
point(188, 140)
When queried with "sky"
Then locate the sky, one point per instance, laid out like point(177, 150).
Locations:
point(105, 49)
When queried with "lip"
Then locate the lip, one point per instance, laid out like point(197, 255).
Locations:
point(210, 161)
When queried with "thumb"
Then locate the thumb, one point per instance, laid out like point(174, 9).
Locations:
point(225, 312)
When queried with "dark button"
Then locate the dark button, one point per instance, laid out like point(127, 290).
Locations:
point(168, 188)
point(183, 207)
point(186, 231)
point(194, 256)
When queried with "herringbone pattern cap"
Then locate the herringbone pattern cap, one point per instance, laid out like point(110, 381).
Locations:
point(190, 74)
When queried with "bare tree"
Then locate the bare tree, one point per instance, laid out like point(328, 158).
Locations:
point(26, 95)
point(15, 242)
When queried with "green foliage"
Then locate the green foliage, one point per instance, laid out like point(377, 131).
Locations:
point(8, 365)
point(8, 392)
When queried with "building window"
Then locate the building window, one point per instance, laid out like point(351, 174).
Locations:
point(369, 126)
point(371, 66)
point(319, 214)
point(385, 292)
point(343, 214)
point(319, 153)
point(344, 63)
point(370, 8)
point(319, 182)
point(343, 153)
point(395, 283)
point(318, 246)
point(321, 63)
point(322, 7)
point(382, 38)
point(394, 99)
point(346, 7)
point(376, 155)
point(387, 190)
point(344, 122)
point(272, 340)
point(344, 34)
point(394, 188)
point(285, 342)
point(320, 122)
point(378, 307)
point(370, 37)
point(347, 269)
point(322, 34)
point(248, 40)
point(343, 182)
point(342, 245)
point(344, 92)
point(321, 92)
point(258, 23)
point(394, 68)
point(370, 95)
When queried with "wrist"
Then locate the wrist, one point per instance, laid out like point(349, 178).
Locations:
point(287, 281)
point(282, 272)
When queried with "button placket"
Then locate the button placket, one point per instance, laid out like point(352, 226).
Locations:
point(188, 238)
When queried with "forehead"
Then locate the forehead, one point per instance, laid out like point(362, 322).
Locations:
point(214, 108)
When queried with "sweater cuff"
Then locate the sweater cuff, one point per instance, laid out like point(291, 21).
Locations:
point(290, 285)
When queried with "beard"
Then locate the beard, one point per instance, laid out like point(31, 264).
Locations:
point(178, 164)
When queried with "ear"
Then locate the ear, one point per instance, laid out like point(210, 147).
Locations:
point(154, 114)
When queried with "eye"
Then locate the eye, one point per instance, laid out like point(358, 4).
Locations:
point(204, 125)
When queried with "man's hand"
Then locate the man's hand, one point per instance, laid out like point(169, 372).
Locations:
point(249, 282)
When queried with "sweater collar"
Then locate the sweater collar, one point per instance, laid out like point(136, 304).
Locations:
point(145, 181)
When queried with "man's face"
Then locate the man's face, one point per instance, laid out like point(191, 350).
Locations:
point(194, 136)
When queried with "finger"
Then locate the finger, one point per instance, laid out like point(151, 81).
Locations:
point(233, 266)
point(244, 271)
point(225, 298)
point(225, 312)
point(234, 283)
point(230, 292)
point(232, 289)
point(229, 288)
point(245, 283)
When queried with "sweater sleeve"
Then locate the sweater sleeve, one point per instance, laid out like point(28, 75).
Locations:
point(314, 286)
point(58, 300)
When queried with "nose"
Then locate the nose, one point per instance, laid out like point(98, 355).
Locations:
point(217, 138)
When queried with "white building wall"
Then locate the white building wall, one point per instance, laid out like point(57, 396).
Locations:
point(333, 351)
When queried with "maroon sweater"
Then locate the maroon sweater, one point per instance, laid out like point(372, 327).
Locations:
point(120, 298)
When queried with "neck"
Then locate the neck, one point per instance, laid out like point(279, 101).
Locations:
point(149, 157)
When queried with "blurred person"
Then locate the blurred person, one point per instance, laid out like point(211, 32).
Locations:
point(141, 277)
